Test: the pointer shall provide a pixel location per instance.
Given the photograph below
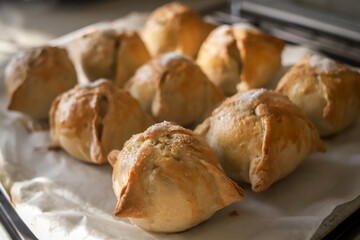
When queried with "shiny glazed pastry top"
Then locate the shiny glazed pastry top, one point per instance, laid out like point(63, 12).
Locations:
point(90, 120)
point(35, 77)
point(175, 27)
point(172, 87)
point(112, 55)
point(167, 179)
point(327, 92)
point(260, 137)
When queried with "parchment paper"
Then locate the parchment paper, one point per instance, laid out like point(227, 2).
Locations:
point(60, 197)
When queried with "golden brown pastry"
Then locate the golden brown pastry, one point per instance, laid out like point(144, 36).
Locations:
point(220, 59)
point(260, 54)
point(90, 120)
point(327, 92)
point(175, 27)
point(35, 77)
point(172, 87)
point(167, 179)
point(98, 54)
point(260, 137)
point(113, 55)
point(240, 57)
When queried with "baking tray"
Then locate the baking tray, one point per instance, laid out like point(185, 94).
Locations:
point(222, 225)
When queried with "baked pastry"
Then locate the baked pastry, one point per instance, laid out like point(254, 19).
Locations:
point(260, 137)
point(172, 87)
point(175, 27)
point(240, 57)
point(327, 92)
point(112, 55)
point(90, 120)
point(167, 179)
point(260, 54)
point(98, 54)
point(220, 59)
point(35, 77)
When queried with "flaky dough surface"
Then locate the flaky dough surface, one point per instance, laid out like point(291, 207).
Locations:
point(175, 27)
point(260, 137)
point(167, 179)
point(35, 77)
point(112, 55)
point(220, 59)
point(327, 92)
point(260, 54)
point(90, 120)
point(240, 57)
point(172, 87)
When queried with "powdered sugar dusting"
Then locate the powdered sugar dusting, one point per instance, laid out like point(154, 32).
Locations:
point(323, 64)
point(251, 95)
point(168, 57)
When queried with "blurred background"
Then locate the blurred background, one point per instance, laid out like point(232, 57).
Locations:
point(57, 17)
point(33, 22)
point(326, 25)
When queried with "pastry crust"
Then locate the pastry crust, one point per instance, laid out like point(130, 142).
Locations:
point(327, 92)
point(220, 59)
point(167, 179)
point(90, 120)
point(35, 77)
point(112, 55)
point(260, 54)
point(260, 137)
point(240, 57)
point(172, 87)
point(175, 27)
point(98, 54)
